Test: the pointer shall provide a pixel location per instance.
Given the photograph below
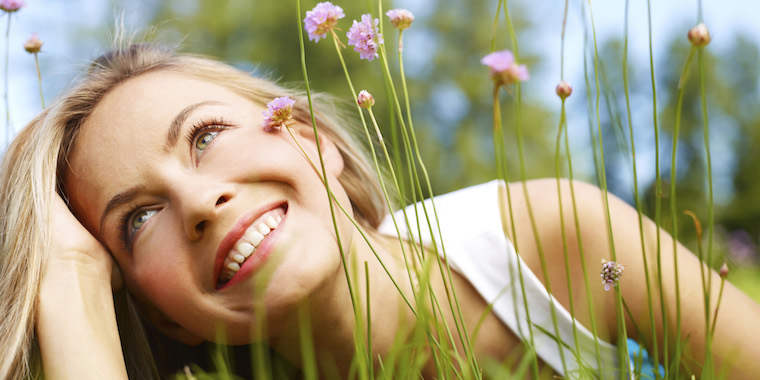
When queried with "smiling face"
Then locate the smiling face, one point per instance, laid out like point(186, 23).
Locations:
point(177, 177)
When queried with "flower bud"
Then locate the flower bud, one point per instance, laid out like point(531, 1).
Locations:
point(723, 272)
point(365, 99)
point(33, 44)
point(564, 90)
point(699, 36)
point(400, 18)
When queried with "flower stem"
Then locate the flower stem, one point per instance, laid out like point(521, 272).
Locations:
point(39, 79)
point(636, 196)
point(673, 206)
point(622, 340)
point(658, 198)
point(523, 178)
point(7, 66)
point(710, 202)
point(322, 164)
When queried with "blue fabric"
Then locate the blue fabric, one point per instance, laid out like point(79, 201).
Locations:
point(637, 354)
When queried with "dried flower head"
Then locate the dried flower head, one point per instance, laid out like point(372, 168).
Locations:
point(278, 112)
point(611, 274)
point(723, 272)
point(11, 6)
point(504, 70)
point(400, 18)
point(322, 19)
point(33, 44)
point(699, 36)
point(365, 37)
point(365, 99)
point(563, 90)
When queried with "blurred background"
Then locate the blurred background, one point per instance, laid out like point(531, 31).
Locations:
point(451, 90)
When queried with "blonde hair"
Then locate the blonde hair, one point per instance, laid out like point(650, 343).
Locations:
point(34, 163)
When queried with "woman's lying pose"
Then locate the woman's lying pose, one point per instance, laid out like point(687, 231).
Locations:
point(155, 174)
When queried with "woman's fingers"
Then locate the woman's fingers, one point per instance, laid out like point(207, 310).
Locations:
point(74, 247)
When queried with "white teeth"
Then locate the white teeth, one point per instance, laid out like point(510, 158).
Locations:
point(254, 237)
point(248, 243)
point(245, 249)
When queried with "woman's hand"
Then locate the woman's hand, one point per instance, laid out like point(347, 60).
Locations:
point(73, 248)
point(76, 321)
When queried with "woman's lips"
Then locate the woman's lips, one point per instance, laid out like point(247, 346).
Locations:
point(246, 233)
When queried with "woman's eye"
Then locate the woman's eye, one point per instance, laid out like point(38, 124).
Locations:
point(203, 141)
point(138, 220)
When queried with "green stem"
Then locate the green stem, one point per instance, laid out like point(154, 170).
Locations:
point(523, 178)
point(717, 307)
point(322, 163)
point(658, 198)
point(39, 79)
point(710, 202)
point(637, 199)
point(673, 206)
point(450, 291)
point(622, 339)
point(562, 122)
point(578, 236)
point(7, 67)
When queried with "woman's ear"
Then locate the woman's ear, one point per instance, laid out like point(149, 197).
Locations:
point(330, 153)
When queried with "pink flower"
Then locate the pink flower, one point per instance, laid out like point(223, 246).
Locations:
point(11, 6)
point(365, 99)
point(400, 18)
point(611, 274)
point(504, 69)
point(563, 89)
point(278, 112)
point(321, 19)
point(365, 37)
point(33, 44)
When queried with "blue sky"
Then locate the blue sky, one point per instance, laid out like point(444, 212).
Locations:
point(64, 54)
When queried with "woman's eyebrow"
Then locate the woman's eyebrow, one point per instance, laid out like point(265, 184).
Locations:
point(176, 126)
point(117, 200)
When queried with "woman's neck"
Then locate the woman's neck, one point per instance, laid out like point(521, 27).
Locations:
point(394, 309)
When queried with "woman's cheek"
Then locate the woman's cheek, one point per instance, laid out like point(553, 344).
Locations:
point(162, 277)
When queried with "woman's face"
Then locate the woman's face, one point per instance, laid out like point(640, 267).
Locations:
point(178, 179)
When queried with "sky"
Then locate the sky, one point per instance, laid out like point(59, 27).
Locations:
point(65, 54)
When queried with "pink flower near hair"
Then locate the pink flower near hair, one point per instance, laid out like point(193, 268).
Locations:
point(33, 44)
point(365, 37)
point(11, 6)
point(365, 99)
point(611, 274)
point(504, 69)
point(400, 18)
point(321, 19)
point(278, 112)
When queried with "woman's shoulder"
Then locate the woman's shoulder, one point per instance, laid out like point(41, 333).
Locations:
point(459, 215)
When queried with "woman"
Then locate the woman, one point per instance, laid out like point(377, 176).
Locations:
point(220, 230)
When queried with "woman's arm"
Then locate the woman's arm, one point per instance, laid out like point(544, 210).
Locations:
point(734, 347)
point(76, 321)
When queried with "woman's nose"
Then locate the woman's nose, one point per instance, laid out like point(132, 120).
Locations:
point(201, 205)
